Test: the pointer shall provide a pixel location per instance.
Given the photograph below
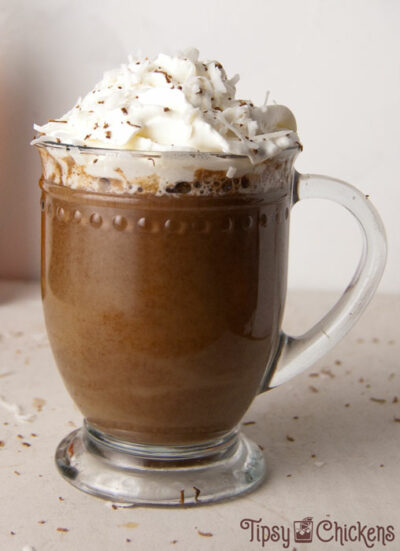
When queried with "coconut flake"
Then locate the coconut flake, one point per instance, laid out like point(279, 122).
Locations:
point(17, 411)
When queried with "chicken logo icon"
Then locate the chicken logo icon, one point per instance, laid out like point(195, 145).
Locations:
point(303, 530)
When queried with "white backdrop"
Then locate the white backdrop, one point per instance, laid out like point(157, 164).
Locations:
point(335, 63)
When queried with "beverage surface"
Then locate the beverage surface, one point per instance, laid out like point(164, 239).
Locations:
point(163, 106)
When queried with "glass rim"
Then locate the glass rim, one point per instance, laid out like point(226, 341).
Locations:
point(138, 153)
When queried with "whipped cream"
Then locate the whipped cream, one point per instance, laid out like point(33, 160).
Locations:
point(166, 125)
point(173, 104)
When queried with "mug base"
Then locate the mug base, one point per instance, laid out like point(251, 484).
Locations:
point(138, 474)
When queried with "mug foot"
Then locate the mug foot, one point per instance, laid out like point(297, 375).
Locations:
point(140, 474)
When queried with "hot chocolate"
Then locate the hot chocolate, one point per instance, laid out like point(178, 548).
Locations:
point(164, 273)
point(163, 312)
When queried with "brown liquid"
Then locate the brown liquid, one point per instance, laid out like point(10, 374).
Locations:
point(163, 312)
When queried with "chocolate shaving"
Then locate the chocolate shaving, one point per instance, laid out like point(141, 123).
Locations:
point(378, 400)
point(108, 134)
point(62, 530)
point(248, 423)
point(328, 372)
point(196, 494)
point(134, 125)
point(106, 125)
point(182, 497)
point(124, 110)
point(101, 101)
point(166, 109)
point(87, 136)
point(168, 77)
point(58, 120)
point(205, 534)
point(290, 438)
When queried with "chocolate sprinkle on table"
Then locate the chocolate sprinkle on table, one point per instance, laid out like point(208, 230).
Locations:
point(205, 534)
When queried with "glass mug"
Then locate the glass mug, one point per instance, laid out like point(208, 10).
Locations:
point(164, 316)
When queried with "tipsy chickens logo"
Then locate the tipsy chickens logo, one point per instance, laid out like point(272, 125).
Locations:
point(324, 531)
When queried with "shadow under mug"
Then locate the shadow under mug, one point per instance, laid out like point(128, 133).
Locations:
point(164, 315)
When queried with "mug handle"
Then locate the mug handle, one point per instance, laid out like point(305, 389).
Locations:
point(295, 354)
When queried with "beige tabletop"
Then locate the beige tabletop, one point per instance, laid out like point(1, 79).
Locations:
point(331, 441)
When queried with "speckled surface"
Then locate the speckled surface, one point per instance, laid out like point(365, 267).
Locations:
point(330, 437)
